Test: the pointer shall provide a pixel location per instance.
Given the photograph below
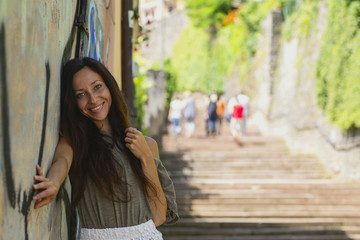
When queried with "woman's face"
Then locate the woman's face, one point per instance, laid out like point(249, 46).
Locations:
point(92, 95)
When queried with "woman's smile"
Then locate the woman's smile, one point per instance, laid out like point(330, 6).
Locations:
point(97, 108)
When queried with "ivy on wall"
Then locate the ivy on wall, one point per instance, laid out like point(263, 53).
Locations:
point(300, 22)
point(338, 70)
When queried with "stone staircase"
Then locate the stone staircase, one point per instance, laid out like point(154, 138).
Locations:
point(254, 189)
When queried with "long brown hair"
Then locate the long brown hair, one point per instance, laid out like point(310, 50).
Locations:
point(93, 159)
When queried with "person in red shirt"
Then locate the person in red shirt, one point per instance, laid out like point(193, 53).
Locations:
point(236, 118)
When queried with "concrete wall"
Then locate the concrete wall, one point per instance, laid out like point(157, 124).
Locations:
point(155, 112)
point(35, 38)
point(162, 37)
point(156, 10)
point(285, 101)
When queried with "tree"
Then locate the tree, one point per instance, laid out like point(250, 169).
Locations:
point(208, 14)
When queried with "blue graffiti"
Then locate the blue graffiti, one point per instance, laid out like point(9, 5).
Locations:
point(92, 48)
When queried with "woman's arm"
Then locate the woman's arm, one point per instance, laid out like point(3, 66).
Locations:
point(49, 185)
point(146, 149)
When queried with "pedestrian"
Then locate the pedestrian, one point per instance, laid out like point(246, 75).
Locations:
point(212, 116)
point(245, 102)
point(175, 112)
point(220, 112)
point(236, 118)
point(119, 186)
point(230, 107)
point(189, 114)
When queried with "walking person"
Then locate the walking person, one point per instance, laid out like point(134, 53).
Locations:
point(236, 109)
point(245, 102)
point(189, 114)
point(120, 187)
point(175, 113)
point(220, 112)
point(212, 116)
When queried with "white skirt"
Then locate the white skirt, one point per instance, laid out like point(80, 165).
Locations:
point(144, 231)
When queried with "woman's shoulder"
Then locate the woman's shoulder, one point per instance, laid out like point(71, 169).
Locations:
point(152, 145)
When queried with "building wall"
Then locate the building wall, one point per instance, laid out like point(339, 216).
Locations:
point(36, 37)
point(163, 36)
point(155, 10)
point(151, 10)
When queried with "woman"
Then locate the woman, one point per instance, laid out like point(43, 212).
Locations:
point(120, 187)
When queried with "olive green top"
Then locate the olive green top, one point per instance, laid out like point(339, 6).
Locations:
point(97, 211)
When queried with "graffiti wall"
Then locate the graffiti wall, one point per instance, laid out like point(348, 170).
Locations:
point(100, 21)
point(36, 37)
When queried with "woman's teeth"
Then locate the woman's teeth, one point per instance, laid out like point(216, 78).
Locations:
point(97, 108)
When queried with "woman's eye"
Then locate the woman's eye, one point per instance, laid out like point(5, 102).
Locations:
point(80, 95)
point(97, 86)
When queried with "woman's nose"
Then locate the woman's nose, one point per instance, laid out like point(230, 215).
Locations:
point(92, 98)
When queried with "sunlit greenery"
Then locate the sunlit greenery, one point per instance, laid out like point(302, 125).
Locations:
point(142, 85)
point(170, 81)
point(339, 65)
point(190, 59)
point(201, 60)
point(338, 69)
point(207, 14)
point(301, 21)
point(237, 42)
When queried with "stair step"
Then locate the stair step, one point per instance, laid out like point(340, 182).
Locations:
point(255, 190)
point(340, 236)
point(256, 231)
point(270, 213)
point(183, 202)
point(264, 222)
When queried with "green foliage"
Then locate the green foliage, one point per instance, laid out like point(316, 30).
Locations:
point(207, 14)
point(202, 61)
point(339, 65)
point(245, 35)
point(142, 85)
point(301, 21)
point(190, 59)
point(171, 81)
point(288, 8)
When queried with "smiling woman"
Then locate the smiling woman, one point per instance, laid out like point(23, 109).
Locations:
point(120, 187)
point(93, 97)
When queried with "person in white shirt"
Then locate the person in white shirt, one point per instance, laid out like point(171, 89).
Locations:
point(175, 112)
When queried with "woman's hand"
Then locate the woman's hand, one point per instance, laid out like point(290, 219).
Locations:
point(136, 142)
point(47, 190)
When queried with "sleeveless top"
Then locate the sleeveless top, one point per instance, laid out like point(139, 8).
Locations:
point(97, 211)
